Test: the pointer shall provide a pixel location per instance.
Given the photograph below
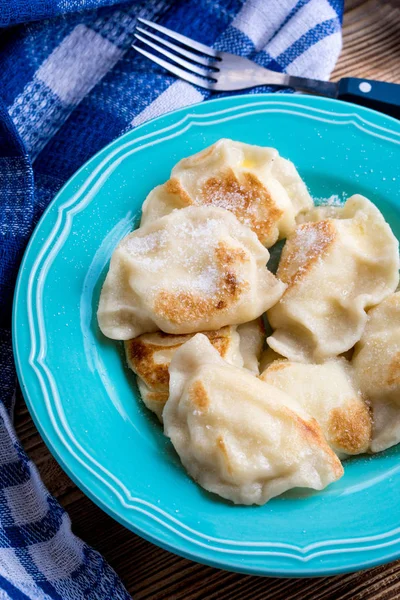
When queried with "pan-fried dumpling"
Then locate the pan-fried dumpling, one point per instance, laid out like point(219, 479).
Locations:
point(263, 190)
point(196, 269)
point(335, 269)
point(252, 337)
point(150, 354)
point(238, 436)
point(376, 363)
point(329, 394)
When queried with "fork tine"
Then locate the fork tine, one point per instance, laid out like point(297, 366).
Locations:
point(175, 70)
point(181, 38)
point(174, 58)
point(195, 57)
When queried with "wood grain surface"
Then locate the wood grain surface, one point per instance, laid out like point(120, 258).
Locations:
point(371, 48)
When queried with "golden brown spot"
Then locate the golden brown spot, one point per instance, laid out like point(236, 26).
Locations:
point(308, 243)
point(350, 427)
point(393, 376)
point(226, 255)
point(222, 447)
point(173, 186)
point(159, 397)
point(231, 283)
point(277, 365)
point(136, 350)
point(313, 434)
point(311, 429)
point(220, 339)
point(184, 307)
point(247, 199)
point(198, 395)
point(140, 354)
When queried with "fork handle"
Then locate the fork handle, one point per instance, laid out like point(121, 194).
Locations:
point(379, 95)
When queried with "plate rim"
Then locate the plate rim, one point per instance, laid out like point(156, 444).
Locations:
point(180, 550)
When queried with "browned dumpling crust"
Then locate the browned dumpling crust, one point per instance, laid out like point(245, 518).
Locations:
point(376, 363)
point(330, 394)
point(238, 436)
point(150, 355)
point(335, 270)
point(196, 269)
point(262, 189)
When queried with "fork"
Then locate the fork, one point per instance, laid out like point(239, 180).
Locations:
point(219, 71)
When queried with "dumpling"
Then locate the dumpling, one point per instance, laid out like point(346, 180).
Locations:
point(328, 393)
point(376, 363)
point(376, 357)
point(238, 436)
point(150, 354)
point(335, 269)
point(263, 190)
point(252, 337)
point(196, 269)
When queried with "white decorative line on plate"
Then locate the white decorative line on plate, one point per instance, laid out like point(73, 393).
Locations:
point(66, 212)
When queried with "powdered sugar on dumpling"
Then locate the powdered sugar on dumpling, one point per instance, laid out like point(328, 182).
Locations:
point(335, 269)
point(195, 269)
point(262, 189)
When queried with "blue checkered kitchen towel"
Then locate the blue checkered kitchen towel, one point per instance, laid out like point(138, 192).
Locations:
point(69, 84)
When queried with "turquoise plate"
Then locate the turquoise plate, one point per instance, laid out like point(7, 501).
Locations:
point(84, 400)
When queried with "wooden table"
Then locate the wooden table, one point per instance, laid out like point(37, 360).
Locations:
point(371, 49)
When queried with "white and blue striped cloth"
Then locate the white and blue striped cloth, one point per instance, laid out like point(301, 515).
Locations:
point(69, 84)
